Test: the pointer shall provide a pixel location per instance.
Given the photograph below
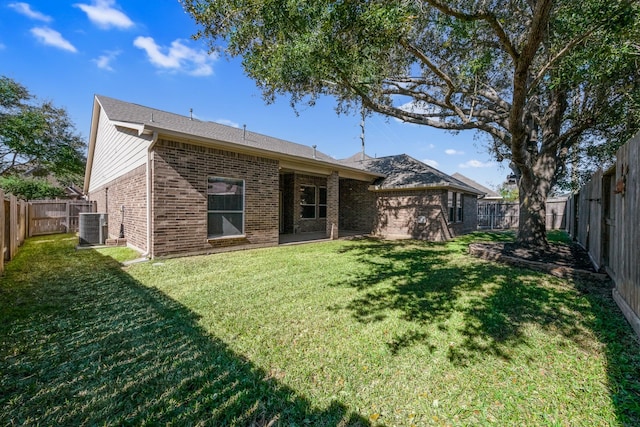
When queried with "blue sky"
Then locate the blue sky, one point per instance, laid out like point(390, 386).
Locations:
point(142, 52)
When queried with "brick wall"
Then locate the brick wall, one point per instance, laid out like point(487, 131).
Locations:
point(399, 215)
point(180, 173)
point(357, 206)
point(130, 191)
point(333, 200)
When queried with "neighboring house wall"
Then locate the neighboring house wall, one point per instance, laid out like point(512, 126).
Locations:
point(118, 151)
point(180, 173)
point(130, 191)
point(357, 206)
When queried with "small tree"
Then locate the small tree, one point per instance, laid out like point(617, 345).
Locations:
point(540, 78)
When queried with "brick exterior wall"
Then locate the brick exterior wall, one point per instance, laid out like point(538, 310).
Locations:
point(357, 206)
point(180, 173)
point(400, 212)
point(395, 214)
point(130, 191)
point(333, 200)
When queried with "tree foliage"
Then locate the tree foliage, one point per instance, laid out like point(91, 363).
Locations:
point(37, 135)
point(30, 188)
point(544, 80)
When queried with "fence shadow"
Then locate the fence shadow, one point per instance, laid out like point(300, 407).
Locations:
point(420, 282)
point(90, 345)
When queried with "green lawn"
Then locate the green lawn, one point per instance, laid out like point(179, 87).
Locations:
point(342, 333)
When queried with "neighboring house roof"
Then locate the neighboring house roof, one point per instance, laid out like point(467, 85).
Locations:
point(488, 193)
point(405, 172)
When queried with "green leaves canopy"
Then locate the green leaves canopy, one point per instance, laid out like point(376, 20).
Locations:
point(36, 136)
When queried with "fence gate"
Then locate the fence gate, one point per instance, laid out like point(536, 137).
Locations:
point(56, 216)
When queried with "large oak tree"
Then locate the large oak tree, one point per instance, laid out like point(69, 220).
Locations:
point(544, 80)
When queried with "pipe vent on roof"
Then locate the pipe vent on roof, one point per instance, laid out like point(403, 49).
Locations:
point(314, 151)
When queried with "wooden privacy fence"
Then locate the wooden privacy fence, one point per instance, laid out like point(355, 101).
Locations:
point(503, 215)
point(604, 218)
point(56, 216)
point(13, 227)
point(20, 219)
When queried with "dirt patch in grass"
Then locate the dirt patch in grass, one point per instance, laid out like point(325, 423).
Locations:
point(560, 259)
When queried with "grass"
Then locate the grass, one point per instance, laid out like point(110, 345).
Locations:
point(338, 333)
point(119, 253)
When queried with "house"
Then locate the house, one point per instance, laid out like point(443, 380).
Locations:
point(174, 185)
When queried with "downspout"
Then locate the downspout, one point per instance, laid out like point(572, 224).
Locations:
point(154, 139)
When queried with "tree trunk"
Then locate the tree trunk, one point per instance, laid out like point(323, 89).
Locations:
point(532, 232)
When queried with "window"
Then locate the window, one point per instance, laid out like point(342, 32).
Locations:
point(451, 205)
point(322, 202)
point(225, 207)
point(308, 201)
point(454, 203)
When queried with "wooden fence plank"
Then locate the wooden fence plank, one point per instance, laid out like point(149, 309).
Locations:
point(604, 219)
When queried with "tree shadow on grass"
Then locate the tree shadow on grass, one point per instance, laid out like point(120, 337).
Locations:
point(89, 345)
point(490, 306)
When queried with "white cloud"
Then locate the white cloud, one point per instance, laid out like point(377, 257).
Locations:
point(228, 123)
point(431, 163)
point(431, 146)
point(52, 38)
point(104, 15)
point(104, 61)
point(451, 151)
point(25, 9)
point(2, 46)
point(178, 57)
point(476, 164)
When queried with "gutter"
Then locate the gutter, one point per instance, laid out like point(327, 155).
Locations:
point(154, 139)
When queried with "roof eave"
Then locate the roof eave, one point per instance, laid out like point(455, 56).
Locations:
point(95, 117)
point(434, 186)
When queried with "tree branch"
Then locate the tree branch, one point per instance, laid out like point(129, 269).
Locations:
point(480, 16)
point(573, 43)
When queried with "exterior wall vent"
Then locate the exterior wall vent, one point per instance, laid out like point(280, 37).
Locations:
point(93, 228)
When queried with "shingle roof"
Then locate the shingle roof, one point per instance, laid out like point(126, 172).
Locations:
point(471, 183)
point(154, 119)
point(405, 172)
